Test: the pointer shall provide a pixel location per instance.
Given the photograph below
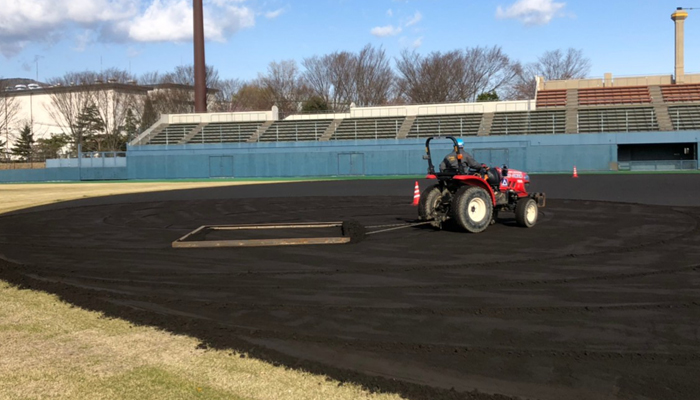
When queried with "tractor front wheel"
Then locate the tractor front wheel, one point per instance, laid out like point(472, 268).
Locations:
point(472, 208)
point(526, 212)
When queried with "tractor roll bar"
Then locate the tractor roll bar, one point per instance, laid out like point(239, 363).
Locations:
point(431, 168)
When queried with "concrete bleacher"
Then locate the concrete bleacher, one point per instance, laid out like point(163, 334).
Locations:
point(445, 125)
point(551, 98)
point(686, 117)
point(368, 128)
point(618, 119)
point(298, 130)
point(529, 122)
point(681, 93)
point(225, 132)
point(614, 95)
point(172, 134)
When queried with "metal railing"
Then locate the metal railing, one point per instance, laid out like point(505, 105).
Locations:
point(659, 165)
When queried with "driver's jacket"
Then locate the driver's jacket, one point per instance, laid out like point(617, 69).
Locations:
point(451, 162)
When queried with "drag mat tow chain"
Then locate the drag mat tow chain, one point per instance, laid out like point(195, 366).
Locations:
point(394, 227)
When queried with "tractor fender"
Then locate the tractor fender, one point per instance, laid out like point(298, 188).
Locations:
point(476, 181)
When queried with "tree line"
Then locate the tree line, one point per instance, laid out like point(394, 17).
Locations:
point(96, 119)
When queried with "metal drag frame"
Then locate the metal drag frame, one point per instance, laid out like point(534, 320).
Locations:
point(184, 243)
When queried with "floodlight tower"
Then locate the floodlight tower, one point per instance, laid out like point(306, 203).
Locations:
point(200, 83)
point(678, 18)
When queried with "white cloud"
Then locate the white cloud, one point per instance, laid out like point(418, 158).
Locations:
point(274, 14)
point(171, 20)
point(389, 13)
point(415, 19)
point(531, 12)
point(383, 31)
point(417, 43)
point(83, 40)
point(30, 21)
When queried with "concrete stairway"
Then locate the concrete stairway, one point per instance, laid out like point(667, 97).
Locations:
point(571, 125)
point(406, 127)
point(190, 135)
point(660, 109)
point(259, 132)
point(328, 133)
point(486, 123)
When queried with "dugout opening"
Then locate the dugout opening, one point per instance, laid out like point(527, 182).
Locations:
point(657, 156)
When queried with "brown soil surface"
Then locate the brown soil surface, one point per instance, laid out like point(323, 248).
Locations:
point(600, 300)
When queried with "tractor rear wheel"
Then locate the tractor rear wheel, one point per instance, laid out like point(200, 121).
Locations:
point(526, 212)
point(472, 208)
point(429, 205)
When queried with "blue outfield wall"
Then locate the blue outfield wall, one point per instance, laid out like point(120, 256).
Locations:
point(531, 153)
point(62, 174)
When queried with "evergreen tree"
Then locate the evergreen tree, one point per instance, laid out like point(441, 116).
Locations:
point(88, 129)
point(131, 126)
point(149, 116)
point(50, 148)
point(3, 150)
point(23, 145)
point(315, 104)
point(487, 96)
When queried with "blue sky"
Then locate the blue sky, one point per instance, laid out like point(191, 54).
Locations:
point(49, 38)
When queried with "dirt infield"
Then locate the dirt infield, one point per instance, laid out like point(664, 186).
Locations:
point(599, 301)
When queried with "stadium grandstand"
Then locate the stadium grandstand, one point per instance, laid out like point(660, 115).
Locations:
point(609, 107)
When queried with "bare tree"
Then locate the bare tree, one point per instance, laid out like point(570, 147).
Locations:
point(252, 96)
point(332, 78)
point(374, 78)
point(365, 78)
point(113, 107)
point(485, 70)
point(8, 113)
point(431, 79)
point(283, 84)
point(69, 101)
point(76, 92)
point(453, 76)
point(552, 65)
point(226, 91)
point(174, 91)
point(184, 75)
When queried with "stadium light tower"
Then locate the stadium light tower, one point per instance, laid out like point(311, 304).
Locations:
point(678, 18)
point(200, 84)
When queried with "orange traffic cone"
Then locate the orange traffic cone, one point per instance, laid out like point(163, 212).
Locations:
point(575, 173)
point(416, 195)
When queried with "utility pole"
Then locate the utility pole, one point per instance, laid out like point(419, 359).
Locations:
point(200, 84)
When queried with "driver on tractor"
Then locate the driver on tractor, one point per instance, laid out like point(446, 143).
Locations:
point(450, 163)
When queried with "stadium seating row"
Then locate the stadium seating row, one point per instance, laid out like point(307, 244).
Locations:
point(547, 121)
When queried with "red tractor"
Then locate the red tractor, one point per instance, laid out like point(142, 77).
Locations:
point(473, 198)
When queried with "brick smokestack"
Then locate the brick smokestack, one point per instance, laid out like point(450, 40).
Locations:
point(678, 18)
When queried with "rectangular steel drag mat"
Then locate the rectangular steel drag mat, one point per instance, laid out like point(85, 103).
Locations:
point(259, 235)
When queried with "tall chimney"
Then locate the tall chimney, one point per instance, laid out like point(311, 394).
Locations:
point(678, 17)
point(200, 84)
